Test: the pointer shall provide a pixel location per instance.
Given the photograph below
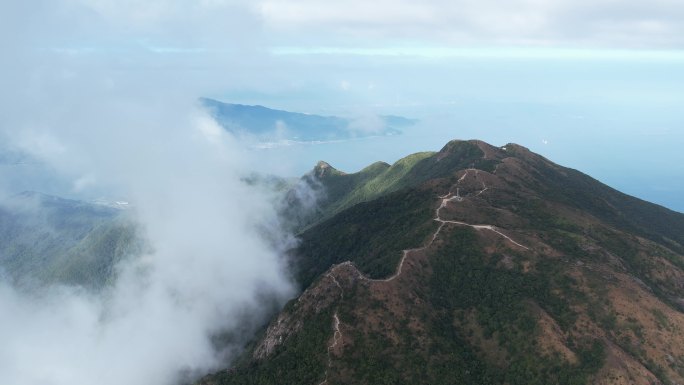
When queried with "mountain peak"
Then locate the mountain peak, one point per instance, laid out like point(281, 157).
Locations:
point(324, 169)
point(468, 147)
point(477, 264)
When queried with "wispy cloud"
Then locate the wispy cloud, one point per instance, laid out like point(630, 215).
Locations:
point(115, 119)
point(446, 52)
point(598, 24)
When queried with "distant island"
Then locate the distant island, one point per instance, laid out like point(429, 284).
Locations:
point(277, 126)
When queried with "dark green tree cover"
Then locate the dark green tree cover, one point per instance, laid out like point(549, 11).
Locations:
point(463, 279)
point(371, 216)
point(627, 213)
point(370, 234)
point(302, 360)
point(342, 191)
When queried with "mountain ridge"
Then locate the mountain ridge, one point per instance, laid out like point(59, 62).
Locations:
point(479, 268)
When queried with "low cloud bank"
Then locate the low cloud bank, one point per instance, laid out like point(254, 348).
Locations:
point(209, 271)
point(215, 265)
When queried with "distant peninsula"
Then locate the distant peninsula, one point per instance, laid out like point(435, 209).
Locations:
point(270, 125)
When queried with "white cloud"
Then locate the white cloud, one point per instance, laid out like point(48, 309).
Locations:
point(367, 124)
point(124, 125)
point(102, 89)
point(157, 12)
point(196, 27)
point(209, 266)
point(602, 23)
point(383, 12)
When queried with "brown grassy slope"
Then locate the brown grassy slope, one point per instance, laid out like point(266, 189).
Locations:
point(601, 281)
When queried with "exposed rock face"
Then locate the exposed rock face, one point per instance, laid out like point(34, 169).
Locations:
point(318, 297)
point(323, 169)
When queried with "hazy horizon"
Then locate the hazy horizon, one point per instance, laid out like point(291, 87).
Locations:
point(609, 143)
point(579, 83)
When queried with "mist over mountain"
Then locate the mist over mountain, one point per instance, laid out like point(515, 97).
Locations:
point(12, 157)
point(160, 292)
point(149, 236)
point(47, 240)
point(472, 264)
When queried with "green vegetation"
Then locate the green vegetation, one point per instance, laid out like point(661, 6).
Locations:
point(464, 280)
point(301, 360)
point(661, 318)
point(616, 234)
point(471, 315)
point(575, 189)
point(345, 190)
point(50, 239)
point(370, 234)
point(376, 359)
point(91, 262)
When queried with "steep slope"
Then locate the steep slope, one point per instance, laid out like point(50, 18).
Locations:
point(480, 265)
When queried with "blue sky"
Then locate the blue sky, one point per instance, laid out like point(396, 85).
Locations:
point(594, 85)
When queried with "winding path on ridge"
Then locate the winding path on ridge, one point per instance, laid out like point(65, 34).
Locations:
point(444, 200)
